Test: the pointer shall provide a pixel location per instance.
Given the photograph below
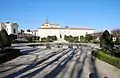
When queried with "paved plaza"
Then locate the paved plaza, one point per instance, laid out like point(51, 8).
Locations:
point(37, 62)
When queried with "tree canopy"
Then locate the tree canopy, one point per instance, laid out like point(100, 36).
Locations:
point(88, 37)
point(106, 41)
point(28, 30)
point(5, 40)
point(22, 31)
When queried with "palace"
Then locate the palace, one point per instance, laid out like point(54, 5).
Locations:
point(48, 29)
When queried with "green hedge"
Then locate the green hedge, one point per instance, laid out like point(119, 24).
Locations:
point(19, 41)
point(107, 58)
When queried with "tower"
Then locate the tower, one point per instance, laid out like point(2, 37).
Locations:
point(46, 24)
point(47, 21)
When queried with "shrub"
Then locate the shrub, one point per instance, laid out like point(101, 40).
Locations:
point(107, 58)
point(20, 40)
point(48, 46)
point(1, 46)
point(82, 39)
point(117, 41)
point(44, 39)
point(36, 41)
point(49, 40)
point(7, 53)
point(70, 46)
point(5, 40)
point(16, 41)
point(70, 38)
point(95, 42)
point(88, 37)
point(106, 42)
point(12, 37)
point(29, 39)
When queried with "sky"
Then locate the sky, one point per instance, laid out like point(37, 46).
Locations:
point(31, 14)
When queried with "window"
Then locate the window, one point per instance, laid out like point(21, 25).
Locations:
point(14, 30)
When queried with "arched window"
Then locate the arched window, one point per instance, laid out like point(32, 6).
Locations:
point(14, 30)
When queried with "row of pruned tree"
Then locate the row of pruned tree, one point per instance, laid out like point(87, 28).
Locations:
point(22, 31)
point(86, 38)
point(48, 39)
point(71, 38)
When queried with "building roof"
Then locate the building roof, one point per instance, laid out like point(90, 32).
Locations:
point(9, 23)
point(51, 24)
point(54, 24)
point(70, 28)
point(35, 30)
point(116, 35)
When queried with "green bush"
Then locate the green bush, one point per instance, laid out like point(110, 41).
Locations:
point(48, 46)
point(16, 41)
point(5, 39)
point(77, 41)
point(44, 39)
point(71, 38)
point(88, 37)
point(107, 58)
point(12, 37)
point(117, 41)
point(36, 41)
point(96, 42)
point(29, 39)
point(106, 42)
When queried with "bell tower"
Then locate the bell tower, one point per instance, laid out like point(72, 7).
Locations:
point(47, 21)
point(46, 24)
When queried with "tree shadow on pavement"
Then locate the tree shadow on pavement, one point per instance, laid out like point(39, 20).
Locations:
point(40, 69)
point(33, 64)
point(15, 67)
point(25, 52)
point(78, 67)
point(83, 62)
point(60, 66)
point(93, 69)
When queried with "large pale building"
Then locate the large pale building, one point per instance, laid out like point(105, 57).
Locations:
point(48, 25)
point(11, 28)
point(48, 29)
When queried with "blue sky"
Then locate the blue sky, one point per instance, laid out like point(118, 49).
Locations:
point(96, 14)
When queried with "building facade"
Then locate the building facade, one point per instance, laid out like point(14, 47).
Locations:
point(11, 28)
point(28, 33)
point(54, 30)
